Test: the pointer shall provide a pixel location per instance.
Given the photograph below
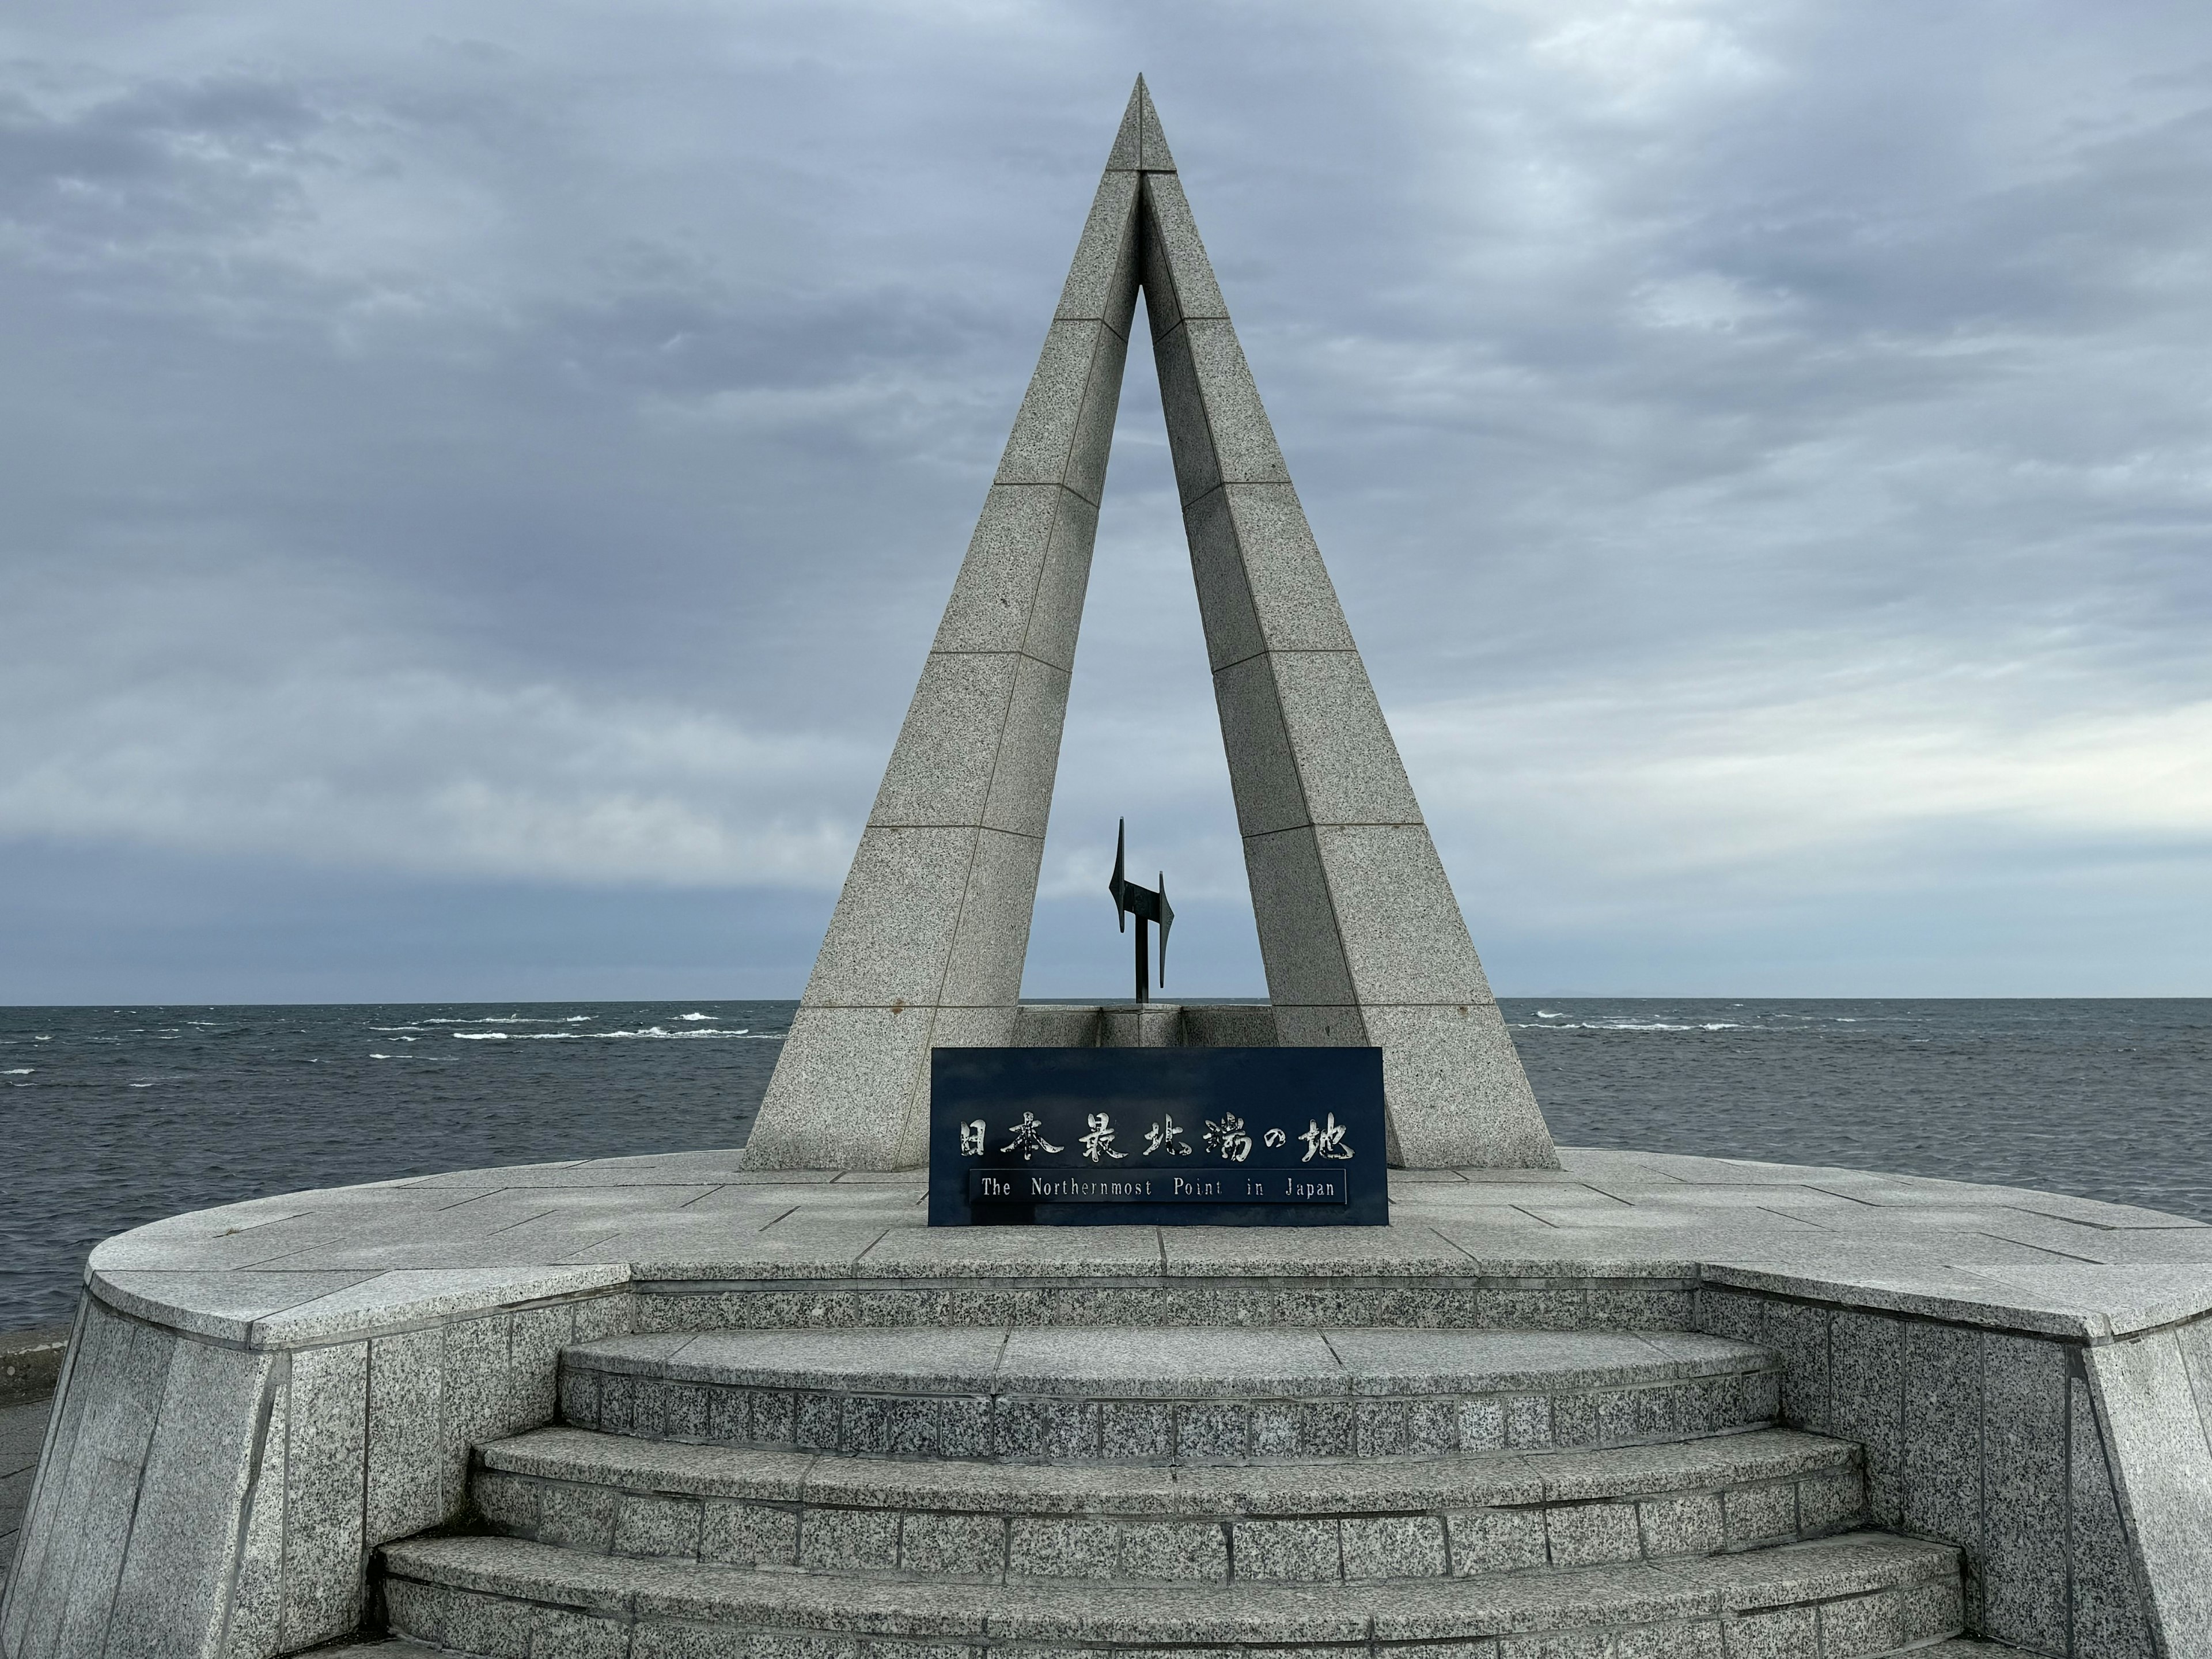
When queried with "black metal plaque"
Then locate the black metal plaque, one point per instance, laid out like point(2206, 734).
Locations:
point(1175, 1137)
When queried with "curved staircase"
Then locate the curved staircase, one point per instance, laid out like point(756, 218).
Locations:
point(916, 1493)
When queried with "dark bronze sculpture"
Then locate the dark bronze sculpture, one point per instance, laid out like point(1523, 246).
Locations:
point(1147, 905)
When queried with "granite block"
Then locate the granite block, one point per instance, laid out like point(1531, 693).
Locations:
point(1384, 1427)
point(1762, 1514)
point(1191, 445)
point(1867, 1398)
point(1574, 1421)
point(1799, 1333)
point(649, 1408)
point(1102, 279)
point(507, 1503)
point(1528, 1420)
point(2107, 1615)
point(1267, 782)
point(423, 1611)
point(1187, 1552)
point(871, 1055)
point(555, 1631)
point(1431, 1426)
point(1616, 1410)
point(618, 1403)
point(326, 1416)
point(880, 949)
point(2162, 1467)
point(992, 935)
point(1286, 1552)
point(1329, 1428)
point(1298, 943)
point(2023, 1484)
point(89, 1350)
point(745, 1535)
point(1398, 920)
point(1041, 448)
point(256, 1600)
point(968, 1547)
point(1640, 1308)
point(472, 1400)
point(1685, 1523)
point(774, 1418)
point(190, 1500)
point(964, 1427)
point(577, 1518)
point(1942, 1421)
point(1209, 1431)
point(657, 1527)
point(1828, 1501)
point(1557, 1644)
point(1862, 1624)
point(535, 1337)
point(1482, 1422)
point(1496, 1541)
point(817, 1423)
point(1783, 1633)
point(1213, 385)
point(1178, 277)
point(995, 594)
point(1658, 1414)
point(580, 1394)
point(1761, 1397)
point(1070, 1429)
point(606, 1314)
point(849, 1540)
point(1932, 1610)
point(1589, 1535)
point(1136, 1431)
point(1732, 1314)
point(1394, 1546)
point(1094, 428)
point(729, 1416)
point(1348, 764)
point(1044, 1547)
point(685, 1413)
point(1273, 1429)
point(1261, 583)
point(119, 1372)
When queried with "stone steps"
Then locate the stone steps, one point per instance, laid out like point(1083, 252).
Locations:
point(1460, 1515)
point(1858, 1594)
point(1181, 1396)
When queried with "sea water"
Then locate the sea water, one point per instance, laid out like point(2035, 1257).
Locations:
point(111, 1117)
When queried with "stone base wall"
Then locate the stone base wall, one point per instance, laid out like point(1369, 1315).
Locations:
point(199, 1499)
point(2075, 1478)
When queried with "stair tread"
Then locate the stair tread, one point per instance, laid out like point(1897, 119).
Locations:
point(1853, 1564)
point(1460, 1480)
point(1230, 1362)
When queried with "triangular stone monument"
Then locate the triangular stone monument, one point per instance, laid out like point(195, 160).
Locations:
point(1362, 939)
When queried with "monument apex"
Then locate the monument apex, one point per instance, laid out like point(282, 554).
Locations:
point(1361, 937)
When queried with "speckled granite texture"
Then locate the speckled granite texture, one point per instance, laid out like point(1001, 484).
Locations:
point(260, 1395)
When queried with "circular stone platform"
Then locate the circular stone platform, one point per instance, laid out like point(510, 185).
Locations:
point(261, 1395)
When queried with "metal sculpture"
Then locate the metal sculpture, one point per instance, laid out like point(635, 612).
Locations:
point(1147, 904)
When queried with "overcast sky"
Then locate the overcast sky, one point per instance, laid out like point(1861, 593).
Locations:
point(481, 479)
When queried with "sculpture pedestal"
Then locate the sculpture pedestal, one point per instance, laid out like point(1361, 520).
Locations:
point(259, 1397)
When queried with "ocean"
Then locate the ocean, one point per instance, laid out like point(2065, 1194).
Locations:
point(115, 1117)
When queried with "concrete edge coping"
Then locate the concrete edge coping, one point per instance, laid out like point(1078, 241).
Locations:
point(264, 1307)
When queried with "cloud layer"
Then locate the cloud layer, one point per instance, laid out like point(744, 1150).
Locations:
point(509, 449)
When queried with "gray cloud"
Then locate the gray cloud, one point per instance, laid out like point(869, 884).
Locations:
point(522, 450)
